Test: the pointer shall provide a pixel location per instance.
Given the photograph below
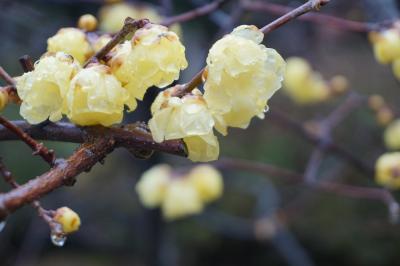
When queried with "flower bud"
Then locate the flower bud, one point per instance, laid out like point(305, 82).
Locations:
point(386, 45)
point(87, 22)
point(388, 170)
point(392, 135)
point(4, 98)
point(68, 219)
point(376, 102)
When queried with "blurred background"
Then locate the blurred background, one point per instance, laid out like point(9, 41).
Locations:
point(260, 220)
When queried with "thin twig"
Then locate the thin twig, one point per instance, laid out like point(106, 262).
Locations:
point(297, 12)
point(324, 19)
point(6, 77)
point(359, 192)
point(192, 14)
point(46, 215)
point(38, 148)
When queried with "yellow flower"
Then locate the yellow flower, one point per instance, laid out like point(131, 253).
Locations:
point(208, 182)
point(43, 90)
point(154, 57)
point(68, 219)
point(96, 97)
point(386, 45)
point(87, 22)
point(242, 75)
point(188, 118)
point(202, 148)
point(3, 99)
point(388, 170)
point(392, 135)
point(112, 16)
point(181, 199)
point(303, 85)
point(153, 184)
point(71, 41)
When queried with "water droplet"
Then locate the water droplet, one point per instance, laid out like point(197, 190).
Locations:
point(266, 109)
point(58, 240)
point(2, 225)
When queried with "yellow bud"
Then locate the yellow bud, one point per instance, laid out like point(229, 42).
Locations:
point(384, 116)
point(181, 199)
point(208, 182)
point(71, 41)
point(388, 170)
point(376, 102)
point(242, 75)
point(392, 135)
point(386, 45)
point(3, 99)
point(339, 84)
point(87, 22)
point(153, 184)
point(96, 97)
point(68, 219)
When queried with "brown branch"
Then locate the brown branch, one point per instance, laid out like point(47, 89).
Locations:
point(46, 215)
point(130, 25)
point(6, 77)
point(352, 191)
point(324, 19)
point(38, 148)
point(192, 14)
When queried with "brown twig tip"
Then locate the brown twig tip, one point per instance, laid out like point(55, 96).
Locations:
point(305, 8)
point(26, 63)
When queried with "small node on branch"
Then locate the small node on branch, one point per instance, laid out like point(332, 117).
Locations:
point(26, 63)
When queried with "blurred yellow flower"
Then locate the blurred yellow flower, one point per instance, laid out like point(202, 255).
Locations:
point(392, 135)
point(153, 184)
point(387, 170)
point(208, 182)
point(386, 45)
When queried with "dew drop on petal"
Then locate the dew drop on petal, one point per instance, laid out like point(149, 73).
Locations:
point(2, 225)
point(58, 240)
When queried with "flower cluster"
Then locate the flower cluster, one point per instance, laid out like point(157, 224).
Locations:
point(179, 195)
point(240, 78)
point(386, 46)
point(305, 86)
point(392, 135)
point(388, 170)
point(97, 94)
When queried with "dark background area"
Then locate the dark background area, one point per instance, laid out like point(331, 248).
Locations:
point(314, 228)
